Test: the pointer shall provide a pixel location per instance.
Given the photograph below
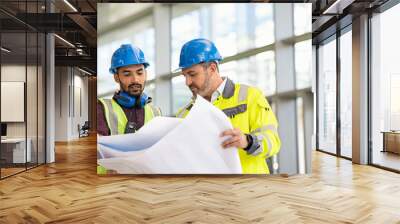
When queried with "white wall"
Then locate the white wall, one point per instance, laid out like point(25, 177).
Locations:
point(33, 127)
point(15, 73)
point(70, 84)
point(79, 117)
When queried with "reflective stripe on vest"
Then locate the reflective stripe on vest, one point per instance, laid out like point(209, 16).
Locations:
point(260, 133)
point(185, 110)
point(243, 91)
point(156, 110)
point(150, 112)
point(241, 103)
point(116, 118)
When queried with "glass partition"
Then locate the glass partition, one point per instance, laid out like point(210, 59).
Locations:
point(346, 94)
point(385, 84)
point(327, 96)
point(22, 91)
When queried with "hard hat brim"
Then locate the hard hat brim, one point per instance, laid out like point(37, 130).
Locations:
point(114, 70)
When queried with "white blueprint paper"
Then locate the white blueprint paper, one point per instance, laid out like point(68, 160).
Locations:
point(174, 146)
point(146, 137)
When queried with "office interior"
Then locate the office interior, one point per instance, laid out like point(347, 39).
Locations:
point(340, 115)
point(46, 81)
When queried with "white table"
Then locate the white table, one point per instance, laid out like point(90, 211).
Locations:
point(19, 149)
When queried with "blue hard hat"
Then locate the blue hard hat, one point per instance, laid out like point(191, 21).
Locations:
point(126, 55)
point(198, 51)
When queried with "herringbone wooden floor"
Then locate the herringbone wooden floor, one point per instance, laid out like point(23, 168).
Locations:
point(69, 191)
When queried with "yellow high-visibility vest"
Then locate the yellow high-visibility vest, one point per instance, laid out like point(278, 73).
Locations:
point(248, 110)
point(117, 120)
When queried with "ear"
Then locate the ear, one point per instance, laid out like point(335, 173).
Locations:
point(116, 78)
point(213, 67)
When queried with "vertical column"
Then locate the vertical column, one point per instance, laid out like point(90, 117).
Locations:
point(308, 109)
point(84, 103)
point(50, 92)
point(285, 78)
point(360, 90)
point(50, 98)
point(338, 96)
point(67, 114)
point(313, 132)
point(162, 25)
point(71, 105)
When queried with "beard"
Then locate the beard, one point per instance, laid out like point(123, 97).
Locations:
point(134, 89)
point(204, 90)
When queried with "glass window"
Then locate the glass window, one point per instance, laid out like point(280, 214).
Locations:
point(264, 30)
point(346, 94)
point(258, 70)
point(180, 93)
point(386, 89)
point(105, 80)
point(303, 52)
point(150, 90)
point(302, 18)
point(145, 40)
point(394, 102)
point(266, 76)
point(327, 97)
point(184, 27)
point(229, 70)
point(303, 63)
point(225, 35)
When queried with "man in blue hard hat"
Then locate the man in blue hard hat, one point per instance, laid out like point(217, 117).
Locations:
point(129, 108)
point(255, 131)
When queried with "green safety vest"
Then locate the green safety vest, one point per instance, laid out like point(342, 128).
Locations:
point(117, 120)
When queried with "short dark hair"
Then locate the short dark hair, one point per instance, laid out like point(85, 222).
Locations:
point(207, 64)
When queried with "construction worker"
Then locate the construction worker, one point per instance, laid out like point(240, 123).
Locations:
point(130, 108)
point(255, 131)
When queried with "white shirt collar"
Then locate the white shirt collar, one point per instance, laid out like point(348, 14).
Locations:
point(219, 91)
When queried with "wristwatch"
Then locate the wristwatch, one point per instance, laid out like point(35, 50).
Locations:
point(130, 127)
point(249, 142)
